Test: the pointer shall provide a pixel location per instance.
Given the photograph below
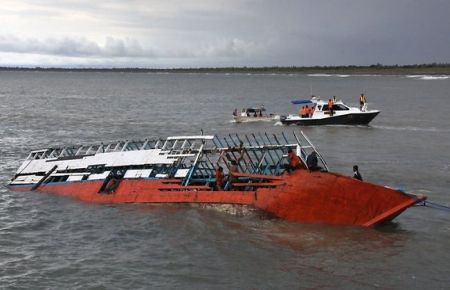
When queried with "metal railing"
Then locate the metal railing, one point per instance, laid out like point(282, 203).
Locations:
point(198, 156)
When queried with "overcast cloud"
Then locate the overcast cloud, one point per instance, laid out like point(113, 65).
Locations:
point(203, 33)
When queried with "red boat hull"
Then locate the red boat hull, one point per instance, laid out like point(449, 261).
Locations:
point(316, 197)
point(333, 199)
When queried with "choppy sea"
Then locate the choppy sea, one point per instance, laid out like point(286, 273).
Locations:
point(52, 242)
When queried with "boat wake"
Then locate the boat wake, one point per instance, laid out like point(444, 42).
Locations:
point(278, 123)
point(410, 128)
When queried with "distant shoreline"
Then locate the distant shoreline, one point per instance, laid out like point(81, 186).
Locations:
point(378, 69)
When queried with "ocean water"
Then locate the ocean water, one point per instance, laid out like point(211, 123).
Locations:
point(52, 242)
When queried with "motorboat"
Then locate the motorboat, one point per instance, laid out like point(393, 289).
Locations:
point(255, 173)
point(253, 114)
point(320, 114)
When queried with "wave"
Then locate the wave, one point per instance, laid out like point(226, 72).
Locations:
point(328, 75)
point(435, 77)
point(428, 77)
point(410, 128)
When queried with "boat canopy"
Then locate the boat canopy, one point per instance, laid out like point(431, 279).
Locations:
point(301, 102)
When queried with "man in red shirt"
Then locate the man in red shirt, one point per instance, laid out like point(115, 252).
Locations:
point(294, 160)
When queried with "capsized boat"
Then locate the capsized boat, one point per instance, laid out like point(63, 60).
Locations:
point(183, 169)
point(254, 114)
point(341, 114)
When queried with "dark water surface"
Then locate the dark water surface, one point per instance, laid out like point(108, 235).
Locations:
point(51, 242)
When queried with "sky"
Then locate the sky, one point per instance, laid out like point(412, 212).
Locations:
point(216, 33)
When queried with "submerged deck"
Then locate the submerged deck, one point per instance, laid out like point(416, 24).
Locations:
point(189, 159)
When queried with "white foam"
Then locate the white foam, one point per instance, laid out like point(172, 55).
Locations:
point(329, 75)
point(434, 77)
point(428, 77)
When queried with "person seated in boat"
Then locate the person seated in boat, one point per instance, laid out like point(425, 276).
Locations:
point(330, 106)
point(260, 113)
point(311, 162)
point(303, 112)
point(307, 110)
point(235, 112)
point(294, 161)
point(255, 114)
point(334, 99)
point(220, 178)
point(356, 174)
point(362, 101)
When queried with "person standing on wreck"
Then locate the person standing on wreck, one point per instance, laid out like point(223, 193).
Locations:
point(356, 174)
point(233, 169)
point(312, 162)
point(220, 178)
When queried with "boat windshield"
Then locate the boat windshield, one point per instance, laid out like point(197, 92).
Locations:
point(336, 107)
point(254, 110)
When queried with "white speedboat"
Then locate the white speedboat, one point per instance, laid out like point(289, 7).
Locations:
point(340, 114)
point(254, 114)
